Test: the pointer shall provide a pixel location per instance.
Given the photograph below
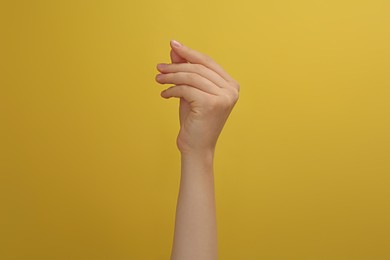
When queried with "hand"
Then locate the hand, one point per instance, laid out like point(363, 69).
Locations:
point(207, 96)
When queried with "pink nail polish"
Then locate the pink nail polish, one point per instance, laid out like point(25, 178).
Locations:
point(176, 43)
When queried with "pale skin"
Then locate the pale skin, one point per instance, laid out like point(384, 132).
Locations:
point(207, 96)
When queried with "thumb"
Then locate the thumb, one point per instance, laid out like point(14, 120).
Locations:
point(175, 58)
point(182, 52)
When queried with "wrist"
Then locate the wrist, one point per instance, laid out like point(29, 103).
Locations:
point(205, 154)
point(195, 149)
point(198, 161)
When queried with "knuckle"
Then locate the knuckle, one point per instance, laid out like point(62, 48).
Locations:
point(185, 87)
point(167, 77)
point(206, 58)
point(169, 68)
point(201, 69)
point(237, 92)
point(231, 97)
point(234, 96)
point(221, 103)
point(191, 76)
point(214, 103)
point(236, 85)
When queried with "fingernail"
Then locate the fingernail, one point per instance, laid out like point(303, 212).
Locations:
point(176, 43)
point(158, 76)
point(160, 66)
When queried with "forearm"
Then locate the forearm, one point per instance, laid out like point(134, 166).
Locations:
point(195, 228)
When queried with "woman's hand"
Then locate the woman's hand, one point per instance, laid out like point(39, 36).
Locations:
point(207, 95)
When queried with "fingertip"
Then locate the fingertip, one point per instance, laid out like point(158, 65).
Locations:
point(158, 77)
point(175, 44)
point(160, 66)
point(162, 94)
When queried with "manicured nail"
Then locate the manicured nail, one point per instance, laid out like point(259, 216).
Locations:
point(160, 66)
point(176, 43)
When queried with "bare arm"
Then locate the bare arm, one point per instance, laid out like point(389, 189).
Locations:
point(207, 96)
point(195, 228)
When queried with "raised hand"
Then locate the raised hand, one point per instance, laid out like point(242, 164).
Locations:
point(207, 95)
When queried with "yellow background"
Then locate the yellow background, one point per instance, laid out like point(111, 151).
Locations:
point(89, 167)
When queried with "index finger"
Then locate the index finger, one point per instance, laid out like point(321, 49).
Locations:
point(197, 57)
